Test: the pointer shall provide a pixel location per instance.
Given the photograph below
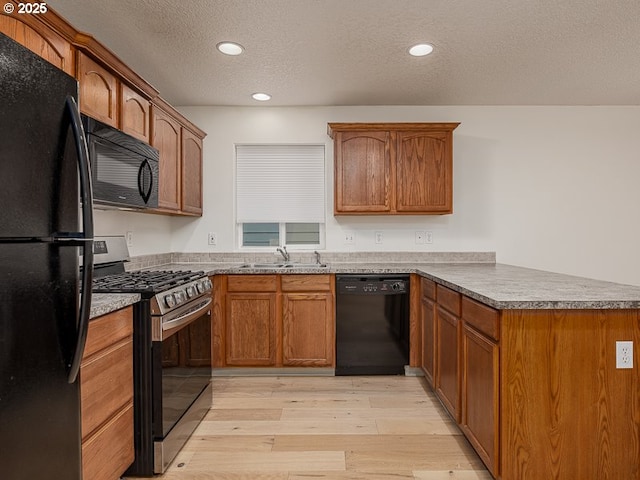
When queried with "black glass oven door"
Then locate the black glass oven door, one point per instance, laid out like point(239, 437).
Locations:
point(186, 372)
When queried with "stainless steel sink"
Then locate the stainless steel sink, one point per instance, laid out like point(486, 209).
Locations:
point(306, 265)
point(293, 266)
point(263, 265)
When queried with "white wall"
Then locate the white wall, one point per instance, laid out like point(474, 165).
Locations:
point(554, 188)
point(151, 233)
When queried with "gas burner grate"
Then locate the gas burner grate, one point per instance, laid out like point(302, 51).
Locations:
point(144, 281)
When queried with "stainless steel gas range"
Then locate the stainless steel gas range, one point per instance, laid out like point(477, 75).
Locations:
point(172, 352)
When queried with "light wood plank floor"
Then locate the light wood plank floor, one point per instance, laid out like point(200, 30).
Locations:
point(302, 428)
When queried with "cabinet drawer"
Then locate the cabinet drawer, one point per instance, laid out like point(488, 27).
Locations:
point(448, 299)
point(305, 283)
point(428, 288)
point(483, 318)
point(252, 283)
point(108, 453)
point(106, 385)
point(108, 329)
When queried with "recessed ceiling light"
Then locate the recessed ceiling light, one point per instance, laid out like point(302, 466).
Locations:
point(230, 48)
point(421, 49)
point(262, 97)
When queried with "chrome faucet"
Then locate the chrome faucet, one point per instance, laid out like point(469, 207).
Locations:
point(317, 254)
point(284, 253)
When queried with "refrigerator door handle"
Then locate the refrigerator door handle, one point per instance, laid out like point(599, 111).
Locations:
point(86, 194)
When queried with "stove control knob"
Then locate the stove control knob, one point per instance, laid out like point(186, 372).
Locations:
point(200, 286)
point(169, 300)
point(180, 297)
point(191, 291)
point(207, 284)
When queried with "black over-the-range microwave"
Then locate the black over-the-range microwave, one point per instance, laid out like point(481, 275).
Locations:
point(124, 170)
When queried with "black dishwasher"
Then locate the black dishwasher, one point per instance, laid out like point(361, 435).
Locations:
point(372, 324)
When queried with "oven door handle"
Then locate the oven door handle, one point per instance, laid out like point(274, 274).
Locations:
point(170, 327)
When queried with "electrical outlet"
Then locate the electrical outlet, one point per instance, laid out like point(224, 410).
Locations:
point(420, 238)
point(428, 237)
point(379, 238)
point(212, 238)
point(349, 238)
point(624, 354)
point(129, 239)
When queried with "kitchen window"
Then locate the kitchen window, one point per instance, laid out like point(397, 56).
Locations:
point(280, 195)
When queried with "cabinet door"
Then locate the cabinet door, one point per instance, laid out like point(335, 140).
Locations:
point(362, 172)
point(447, 365)
point(250, 329)
point(134, 115)
point(308, 329)
point(424, 172)
point(428, 338)
point(480, 395)
point(166, 138)
point(98, 91)
point(191, 173)
point(39, 39)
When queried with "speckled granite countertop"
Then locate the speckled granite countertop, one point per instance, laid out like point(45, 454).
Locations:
point(103, 303)
point(508, 287)
point(498, 285)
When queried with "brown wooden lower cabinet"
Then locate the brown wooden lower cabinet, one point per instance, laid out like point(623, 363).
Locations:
point(251, 329)
point(480, 396)
point(274, 321)
point(447, 351)
point(109, 453)
point(307, 329)
point(447, 366)
point(540, 395)
point(106, 389)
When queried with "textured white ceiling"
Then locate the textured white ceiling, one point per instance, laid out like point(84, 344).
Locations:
point(353, 52)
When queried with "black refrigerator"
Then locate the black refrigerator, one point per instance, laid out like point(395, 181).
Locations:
point(45, 218)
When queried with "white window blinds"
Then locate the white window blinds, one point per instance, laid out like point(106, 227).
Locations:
point(280, 183)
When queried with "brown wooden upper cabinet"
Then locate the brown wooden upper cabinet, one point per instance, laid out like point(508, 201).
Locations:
point(191, 173)
point(39, 38)
point(114, 94)
point(180, 177)
point(135, 113)
point(98, 94)
point(393, 168)
point(105, 97)
point(166, 138)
